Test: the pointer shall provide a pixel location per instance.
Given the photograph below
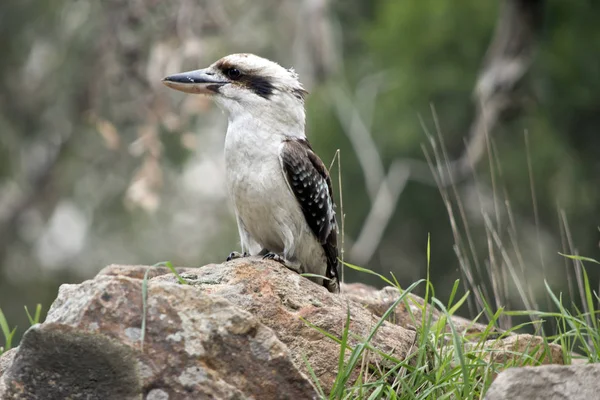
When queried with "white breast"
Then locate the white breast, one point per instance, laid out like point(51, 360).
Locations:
point(264, 203)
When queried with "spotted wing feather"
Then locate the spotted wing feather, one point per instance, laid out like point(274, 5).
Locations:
point(309, 180)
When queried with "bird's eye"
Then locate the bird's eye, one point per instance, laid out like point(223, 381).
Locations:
point(234, 73)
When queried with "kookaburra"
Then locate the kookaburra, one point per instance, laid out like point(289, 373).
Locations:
point(280, 188)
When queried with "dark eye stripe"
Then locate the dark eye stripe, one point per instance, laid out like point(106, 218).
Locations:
point(260, 85)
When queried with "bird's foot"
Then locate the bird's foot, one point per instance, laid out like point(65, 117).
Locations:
point(235, 255)
point(274, 257)
point(291, 265)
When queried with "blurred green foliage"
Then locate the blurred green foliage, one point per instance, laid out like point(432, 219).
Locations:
point(431, 51)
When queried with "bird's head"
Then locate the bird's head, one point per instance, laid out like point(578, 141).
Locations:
point(242, 83)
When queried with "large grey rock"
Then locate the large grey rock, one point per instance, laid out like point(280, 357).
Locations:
point(281, 299)
point(239, 330)
point(196, 346)
point(6, 360)
point(57, 362)
point(573, 382)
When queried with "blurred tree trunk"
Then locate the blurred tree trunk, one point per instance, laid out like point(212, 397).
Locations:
point(508, 59)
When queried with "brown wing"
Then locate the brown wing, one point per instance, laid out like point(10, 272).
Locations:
point(309, 180)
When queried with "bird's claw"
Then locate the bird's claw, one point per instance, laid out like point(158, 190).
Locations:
point(291, 265)
point(274, 257)
point(234, 255)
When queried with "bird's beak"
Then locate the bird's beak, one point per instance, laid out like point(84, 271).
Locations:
point(201, 81)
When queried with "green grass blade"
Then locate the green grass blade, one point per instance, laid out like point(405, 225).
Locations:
point(358, 350)
point(378, 392)
point(453, 292)
point(6, 332)
point(36, 318)
point(458, 304)
point(458, 350)
point(338, 386)
point(313, 376)
point(309, 275)
point(368, 271)
point(321, 331)
point(169, 265)
point(589, 299)
point(580, 258)
point(396, 283)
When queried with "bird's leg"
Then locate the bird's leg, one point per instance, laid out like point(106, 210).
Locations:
point(289, 264)
point(234, 255)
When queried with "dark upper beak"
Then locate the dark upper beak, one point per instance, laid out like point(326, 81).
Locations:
point(199, 81)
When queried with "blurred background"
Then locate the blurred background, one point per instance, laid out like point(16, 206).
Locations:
point(477, 122)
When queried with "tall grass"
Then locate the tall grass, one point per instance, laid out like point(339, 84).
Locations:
point(444, 363)
point(500, 276)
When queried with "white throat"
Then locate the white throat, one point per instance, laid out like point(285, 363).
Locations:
point(282, 115)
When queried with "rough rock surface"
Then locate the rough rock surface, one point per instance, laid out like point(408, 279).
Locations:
point(238, 330)
point(279, 299)
point(196, 346)
point(235, 332)
point(57, 361)
point(522, 349)
point(573, 382)
point(6, 360)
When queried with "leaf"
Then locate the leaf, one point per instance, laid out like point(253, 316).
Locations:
point(580, 258)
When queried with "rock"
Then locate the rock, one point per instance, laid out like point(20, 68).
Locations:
point(511, 349)
point(196, 346)
point(6, 360)
point(520, 350)
point(136, 271)
point(573, 382)
point(56, 361)
point(238, 330)
point(379, 301)
point(279, 299)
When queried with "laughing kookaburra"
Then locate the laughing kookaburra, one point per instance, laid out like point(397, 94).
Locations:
point(280, 188)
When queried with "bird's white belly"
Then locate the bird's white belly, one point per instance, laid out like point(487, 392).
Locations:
point(271, 214)
point(265, 206)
